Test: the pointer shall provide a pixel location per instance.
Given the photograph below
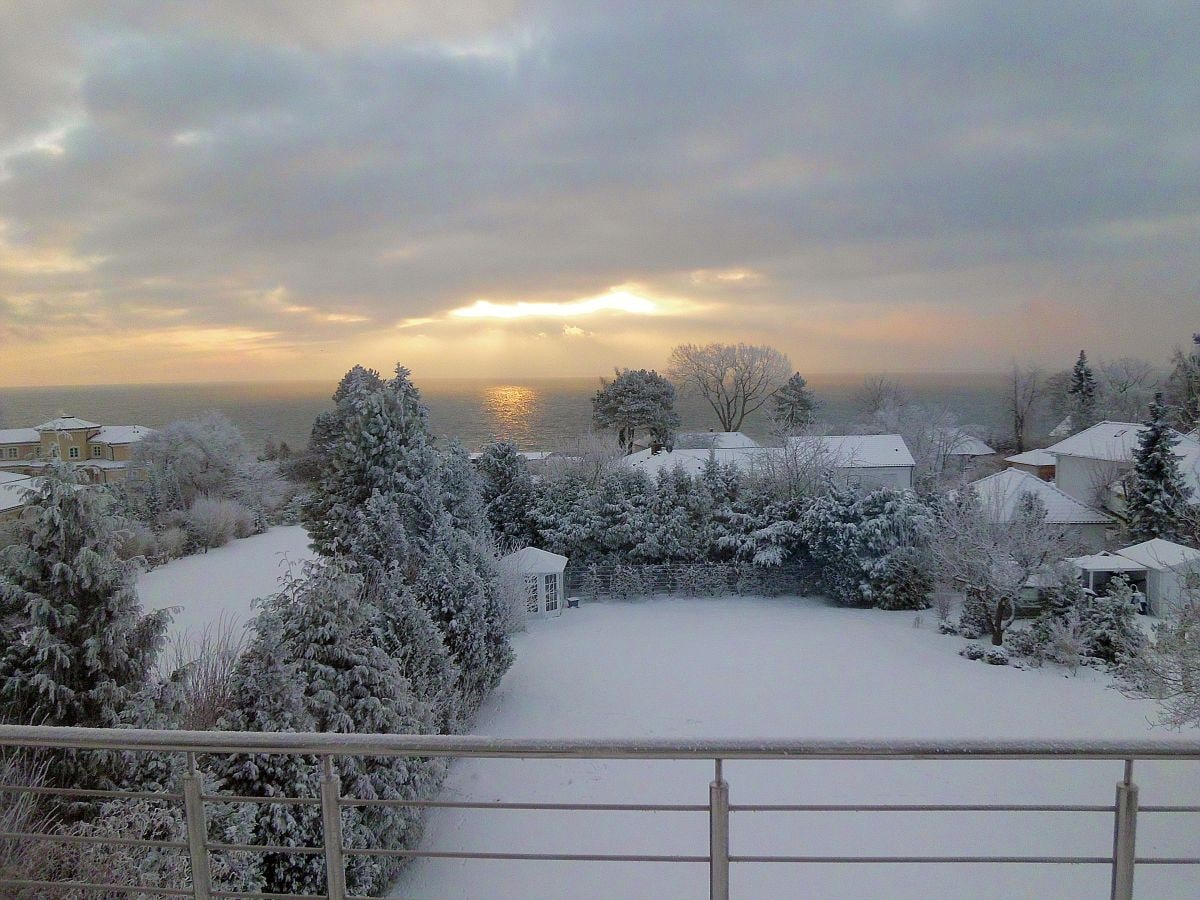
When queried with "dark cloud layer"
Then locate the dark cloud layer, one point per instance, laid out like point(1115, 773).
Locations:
point(317, 174)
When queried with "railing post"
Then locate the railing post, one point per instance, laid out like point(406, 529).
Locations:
point(718, 837)
point(331, 821)
point(197, 830)
point(1124, 835)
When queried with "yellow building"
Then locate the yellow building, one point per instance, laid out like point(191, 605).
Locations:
point(102, 452)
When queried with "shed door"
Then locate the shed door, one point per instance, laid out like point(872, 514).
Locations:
point(551, 593)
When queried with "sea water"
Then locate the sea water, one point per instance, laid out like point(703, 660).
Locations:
point(537, 413)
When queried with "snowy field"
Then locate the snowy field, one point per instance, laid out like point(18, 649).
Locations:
point(794, 668)
point(221, 584)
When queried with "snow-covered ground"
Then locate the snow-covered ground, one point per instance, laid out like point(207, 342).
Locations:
point(220, 585)
point(792, 668)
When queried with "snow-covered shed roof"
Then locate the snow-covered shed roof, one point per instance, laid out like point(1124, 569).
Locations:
point(1106, 562)
point(716, 440)
point(1001, 493)
point(864, 451)
point(1160, 554)
point(120, 434)
point(67, 423)
point(534, 561)
point(1032, 458)
point(19, 436)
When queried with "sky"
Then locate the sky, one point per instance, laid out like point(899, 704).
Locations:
point(237, 191)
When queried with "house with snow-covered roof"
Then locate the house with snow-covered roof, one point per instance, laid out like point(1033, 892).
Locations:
point(1091, 466)
point(1001, 495)
point(14, 488)
point(1035, 462)
point(103, 452)
point(866, 461)
point(693, 460)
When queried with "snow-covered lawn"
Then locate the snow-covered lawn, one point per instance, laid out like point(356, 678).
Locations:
point(793, 668)
point(220, 585)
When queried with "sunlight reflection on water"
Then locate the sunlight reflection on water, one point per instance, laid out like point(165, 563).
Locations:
point(510, 409)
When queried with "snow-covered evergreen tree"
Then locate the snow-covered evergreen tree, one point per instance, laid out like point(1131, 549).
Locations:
point(564, 518)
point(507, 490)
point(793, 406)
point(637, 400)
point(621, 514)
point(384, 447)
point(317, 662)
point(1083, 394)
point(1183, 386)
point(74, 643)
point(462, 491)
point(1156, 497)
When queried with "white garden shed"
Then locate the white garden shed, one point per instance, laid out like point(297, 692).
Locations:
point(540, 575)
point(1169, 569)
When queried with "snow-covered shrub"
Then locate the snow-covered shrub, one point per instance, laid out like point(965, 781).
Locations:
point(945, 626)
point(172, 542)
point(1068, 641)
point(214, 522)
point(137, 540)
point(1109, 623)
point(689, 581)
point(1168, 668)
point(592, 583)
point(141, 819)
point(193, 457)
point(628, 583)
point(996, 656)
point(714, 580)
point(203, 667)
point(971, 651)
point(1076, 626)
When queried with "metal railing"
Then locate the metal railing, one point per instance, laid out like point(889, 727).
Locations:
point(329, 747)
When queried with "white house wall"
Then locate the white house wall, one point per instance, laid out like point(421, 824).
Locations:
point(1084, 479)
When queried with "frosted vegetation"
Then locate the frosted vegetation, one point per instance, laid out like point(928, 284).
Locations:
point(399, 617)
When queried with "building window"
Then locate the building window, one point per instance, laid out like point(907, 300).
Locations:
point(551, 593)
point(73, 452)
point(13, 452)
point(531, 593)
point(97, 451)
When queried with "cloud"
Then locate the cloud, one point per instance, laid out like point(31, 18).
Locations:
point(469, 170)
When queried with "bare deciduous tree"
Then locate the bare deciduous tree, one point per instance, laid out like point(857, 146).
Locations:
point(989, 551)
point(878, 393)
point(1024, 399)
point(1127, 386)
point(1168, 670)
point(735, 379)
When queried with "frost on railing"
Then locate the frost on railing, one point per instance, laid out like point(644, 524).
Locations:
point(200, 860)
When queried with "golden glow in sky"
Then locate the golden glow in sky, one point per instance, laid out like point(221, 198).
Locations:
point(616, 300)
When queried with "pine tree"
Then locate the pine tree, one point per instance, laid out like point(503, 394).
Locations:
point(317, 665)
point(74, 644)
point(621, 512)
point(637, 400)
point(507, 490)
point(793, 406)
point(1082, 394)
point(1156, 499)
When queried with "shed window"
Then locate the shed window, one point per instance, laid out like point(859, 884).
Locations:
point(531, 593)
point(551, 593)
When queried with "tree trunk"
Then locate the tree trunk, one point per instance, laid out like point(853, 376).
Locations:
point(998, 617)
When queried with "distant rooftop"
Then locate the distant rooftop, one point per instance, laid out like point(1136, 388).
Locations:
point(1001, 494)
point(19, 436)
point(863, 451)
point(67, 423)
point(1032, 458)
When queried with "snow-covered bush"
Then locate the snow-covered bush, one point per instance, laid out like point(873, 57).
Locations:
point(1168, 668)
point(24, 813)
point(592, 583)
point(194, 457)
point(1076, 626)
point(214, 522)
point(140, 819)
point(971, 651)
point(628, 583)
point(1109, 624)
point(996, 656)
point(945, 626)
point(172, 542)
point(137, 540)
point(714, 581)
